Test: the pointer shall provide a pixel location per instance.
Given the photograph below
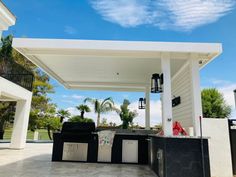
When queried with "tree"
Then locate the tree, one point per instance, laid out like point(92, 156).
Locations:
point(7, 109)
point(49, 120)
point(6, 115)
point(6, 54)
point(126, 115)
point(63, 114)
point(214, 105)
point(52, 124)
point(41, 84)
point(101, 107)
point(83, 108)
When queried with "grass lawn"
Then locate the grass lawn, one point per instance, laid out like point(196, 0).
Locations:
point(43, 134)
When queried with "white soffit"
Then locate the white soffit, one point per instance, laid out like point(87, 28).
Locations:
point(109, 65)
point(6, 17)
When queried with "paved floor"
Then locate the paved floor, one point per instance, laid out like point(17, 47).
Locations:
point(35, 161)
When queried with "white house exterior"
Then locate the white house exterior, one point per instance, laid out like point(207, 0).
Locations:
point(9, 91)
point(7, 19)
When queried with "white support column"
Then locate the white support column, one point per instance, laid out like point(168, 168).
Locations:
point(20, 127)
point(166, 96)
point(147, 109)
point(196, 93)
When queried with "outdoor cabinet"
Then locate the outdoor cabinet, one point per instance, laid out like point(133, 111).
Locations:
point(130, 151)
point(178, 156)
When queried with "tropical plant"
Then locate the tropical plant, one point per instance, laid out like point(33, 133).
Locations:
point(83, 108)
point(214, 104)
point(63, 114)
point(104, 123)
point(111, 124)
point(126, 115)
point(80, 119)
point(101, 107)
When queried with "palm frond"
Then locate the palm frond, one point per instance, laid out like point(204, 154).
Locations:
point(90, 100)
point(107, 100)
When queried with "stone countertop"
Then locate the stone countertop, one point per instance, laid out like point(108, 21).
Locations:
point(152, 135)
point(128, 133)
point(178, 137)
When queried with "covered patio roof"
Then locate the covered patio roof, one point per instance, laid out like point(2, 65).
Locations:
point(110, 65)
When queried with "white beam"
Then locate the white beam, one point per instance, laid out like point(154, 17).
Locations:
point(196, 93)
point(147, 109)
point(125, 46)
point(20, 127)
point(166, 96)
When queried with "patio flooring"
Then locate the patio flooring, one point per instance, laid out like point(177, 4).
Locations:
point(35, 161)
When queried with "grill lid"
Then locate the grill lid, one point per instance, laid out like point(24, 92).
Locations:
point(78, 127)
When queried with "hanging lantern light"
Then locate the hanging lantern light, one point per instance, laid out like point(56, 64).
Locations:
point(235, 97)
point(142, 103)
point(156, 83)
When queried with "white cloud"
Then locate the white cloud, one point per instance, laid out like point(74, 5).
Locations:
point(70, 30)
point(184, 15)
point(126, 13)
point(74, 96)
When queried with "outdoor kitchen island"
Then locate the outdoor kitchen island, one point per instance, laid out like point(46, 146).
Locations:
point(80, 142)
point(176, 156)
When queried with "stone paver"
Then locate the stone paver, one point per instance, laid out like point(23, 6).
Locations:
point(35, 161)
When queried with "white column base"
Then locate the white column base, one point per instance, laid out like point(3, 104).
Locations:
point(19, 134)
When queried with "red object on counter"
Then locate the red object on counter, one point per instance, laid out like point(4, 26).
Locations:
point(177, 130)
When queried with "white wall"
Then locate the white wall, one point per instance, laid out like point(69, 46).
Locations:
point(219, 146)
point(181, 86)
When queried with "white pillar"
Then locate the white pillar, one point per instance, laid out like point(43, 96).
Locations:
point(20, 127)
point(166, 96)
point(147, 109)
point(196, 93)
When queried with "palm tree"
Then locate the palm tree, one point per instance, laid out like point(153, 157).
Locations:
point(63, 114)
point(101, 106)
point(83, 108)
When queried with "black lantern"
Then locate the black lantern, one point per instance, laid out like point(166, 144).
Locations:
point(156, 83)
point(142, 103)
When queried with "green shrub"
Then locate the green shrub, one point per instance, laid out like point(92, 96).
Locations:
point(79, 119)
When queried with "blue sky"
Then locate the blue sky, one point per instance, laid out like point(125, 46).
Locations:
point(148, 20)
